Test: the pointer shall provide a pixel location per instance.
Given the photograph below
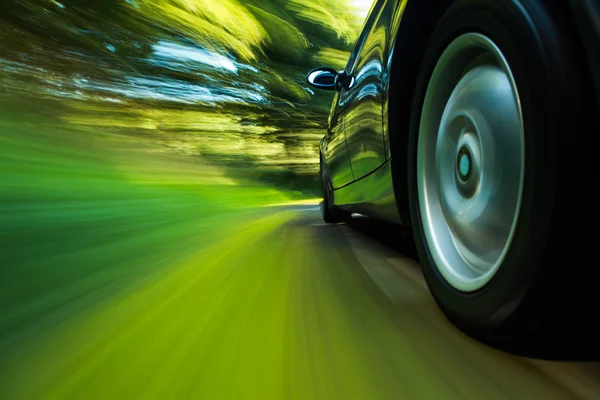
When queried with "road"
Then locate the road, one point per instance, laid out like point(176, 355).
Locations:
point(282, 307)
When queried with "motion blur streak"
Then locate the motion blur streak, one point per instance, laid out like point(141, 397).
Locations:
point(156, 241)
point(266, 313)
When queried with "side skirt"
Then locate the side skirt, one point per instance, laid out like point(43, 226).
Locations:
point(372, 195)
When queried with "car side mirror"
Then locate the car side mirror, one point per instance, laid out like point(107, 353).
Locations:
point(322, 78)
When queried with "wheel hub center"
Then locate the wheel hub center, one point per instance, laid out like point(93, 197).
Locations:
point(464, 164)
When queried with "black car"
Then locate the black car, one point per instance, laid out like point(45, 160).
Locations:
point(470, 121)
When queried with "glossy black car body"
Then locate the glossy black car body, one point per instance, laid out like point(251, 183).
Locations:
point(366, 164)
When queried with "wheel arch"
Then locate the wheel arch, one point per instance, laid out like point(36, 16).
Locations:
point(416, 19)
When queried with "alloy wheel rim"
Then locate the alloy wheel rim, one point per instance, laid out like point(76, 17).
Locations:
point(470, 161)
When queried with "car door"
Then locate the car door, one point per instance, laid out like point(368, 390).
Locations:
point(334, 150)
point(361, 102)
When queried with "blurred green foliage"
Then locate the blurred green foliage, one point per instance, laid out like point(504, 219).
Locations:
point(223, 80)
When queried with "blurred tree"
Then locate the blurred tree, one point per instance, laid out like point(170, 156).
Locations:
point(138, 64)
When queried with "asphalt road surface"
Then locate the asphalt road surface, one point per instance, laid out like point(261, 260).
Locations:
point(283, 307)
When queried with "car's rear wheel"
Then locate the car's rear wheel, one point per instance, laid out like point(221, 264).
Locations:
point(501, 102)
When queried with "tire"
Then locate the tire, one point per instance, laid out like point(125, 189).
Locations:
point(330, 213)
point(535, 298)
